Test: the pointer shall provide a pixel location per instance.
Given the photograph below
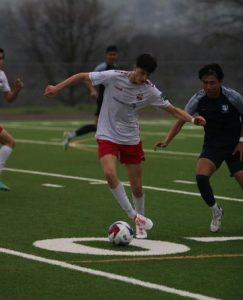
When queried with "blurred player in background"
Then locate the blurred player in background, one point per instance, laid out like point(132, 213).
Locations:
point(111, 57)
point(118, 133)
point(6, 140)
point(223, 140)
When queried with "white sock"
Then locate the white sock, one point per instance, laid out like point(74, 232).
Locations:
point(72, 134)
point(139, 204)
point(120, 194)
point(215, 208)
point(5, 152)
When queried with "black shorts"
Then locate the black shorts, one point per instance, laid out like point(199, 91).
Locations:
point(220, 154)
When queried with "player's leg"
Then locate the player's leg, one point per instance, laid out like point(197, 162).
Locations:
point(8, 144)
point(108, 163)
point(235, 166)
point(69, 135)
point(134, 172)
point(132, 156)
point(204, 170)
point(239, 177)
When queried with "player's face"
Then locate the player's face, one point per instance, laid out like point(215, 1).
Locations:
point(139, 76)
point(111, 57)
point(1, 59)
point(211, 85)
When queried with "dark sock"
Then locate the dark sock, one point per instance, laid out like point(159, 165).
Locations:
point(86, 129)
point(205, 189)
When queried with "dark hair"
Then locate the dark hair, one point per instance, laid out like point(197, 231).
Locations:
point(146, 62)
point(211, 69)
point(111, 48)
point(2, 51)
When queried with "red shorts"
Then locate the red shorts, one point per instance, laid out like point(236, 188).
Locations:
point(127, 154)
point(1, 129)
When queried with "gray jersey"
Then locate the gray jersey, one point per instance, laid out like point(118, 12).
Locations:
point(234, 97)
point(101, 67)
point(118, 120)
point(222, 114)
point(4, 86)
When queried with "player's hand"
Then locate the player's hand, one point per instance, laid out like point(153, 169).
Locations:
point(200, 121)
point(50, 91)
point(94, 94)
point(239, 148)
point(18, 84)
point(160, 144)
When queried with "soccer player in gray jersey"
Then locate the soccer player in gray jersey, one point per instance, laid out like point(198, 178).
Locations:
point(111, 57)
point(6, 140)
point(222, 108)
point(118, 134)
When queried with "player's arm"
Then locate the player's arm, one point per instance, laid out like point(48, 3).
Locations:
point(10, 96)
point(175, 129)
point(92, 89)
point(184, 116)
point(53, 90)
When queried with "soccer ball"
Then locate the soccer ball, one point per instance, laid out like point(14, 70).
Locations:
point(120, 233)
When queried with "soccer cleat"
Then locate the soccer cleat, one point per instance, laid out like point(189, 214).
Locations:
point(143, 222)
point(66, 139)
point(140, 232)
point(216, 221)
point(3, 187)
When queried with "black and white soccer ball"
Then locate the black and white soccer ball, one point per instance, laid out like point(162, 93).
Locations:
point(120, 233)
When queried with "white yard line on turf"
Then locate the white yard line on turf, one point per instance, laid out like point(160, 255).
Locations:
point(107, 275)
point(83, 146)
point(52, 185)
point(185, 181)
point(160, 189)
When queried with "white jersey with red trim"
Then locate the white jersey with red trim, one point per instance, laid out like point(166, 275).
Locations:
point(118, 119)
point(4, 86)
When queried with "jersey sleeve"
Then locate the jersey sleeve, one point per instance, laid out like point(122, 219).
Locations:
point(235, 98)
point(101, 77)
point(159, 100)
point(5, 85)
point(192, 106)
point(101, 67)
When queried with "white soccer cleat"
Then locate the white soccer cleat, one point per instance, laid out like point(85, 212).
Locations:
point(143, 222)
point(215, 225)
point(141, 233)
point(66, 139)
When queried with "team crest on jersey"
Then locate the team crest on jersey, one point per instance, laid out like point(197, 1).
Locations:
point(139, 97)
point(224, 108)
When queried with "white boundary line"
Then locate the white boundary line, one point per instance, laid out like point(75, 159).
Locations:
point(107, 275)
point(126, 184)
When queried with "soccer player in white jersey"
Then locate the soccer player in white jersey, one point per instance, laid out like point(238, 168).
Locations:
point(6, 140)
point(118, 133)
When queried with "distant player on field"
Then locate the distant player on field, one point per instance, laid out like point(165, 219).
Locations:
point(111, 57)
point(222, 108)
point(6, 140)
point(118, 134)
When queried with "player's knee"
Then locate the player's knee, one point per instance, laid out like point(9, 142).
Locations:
point(109, 175)
point(11, 143)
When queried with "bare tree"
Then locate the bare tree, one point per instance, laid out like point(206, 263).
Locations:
point(63, 33)
point(221, 19)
